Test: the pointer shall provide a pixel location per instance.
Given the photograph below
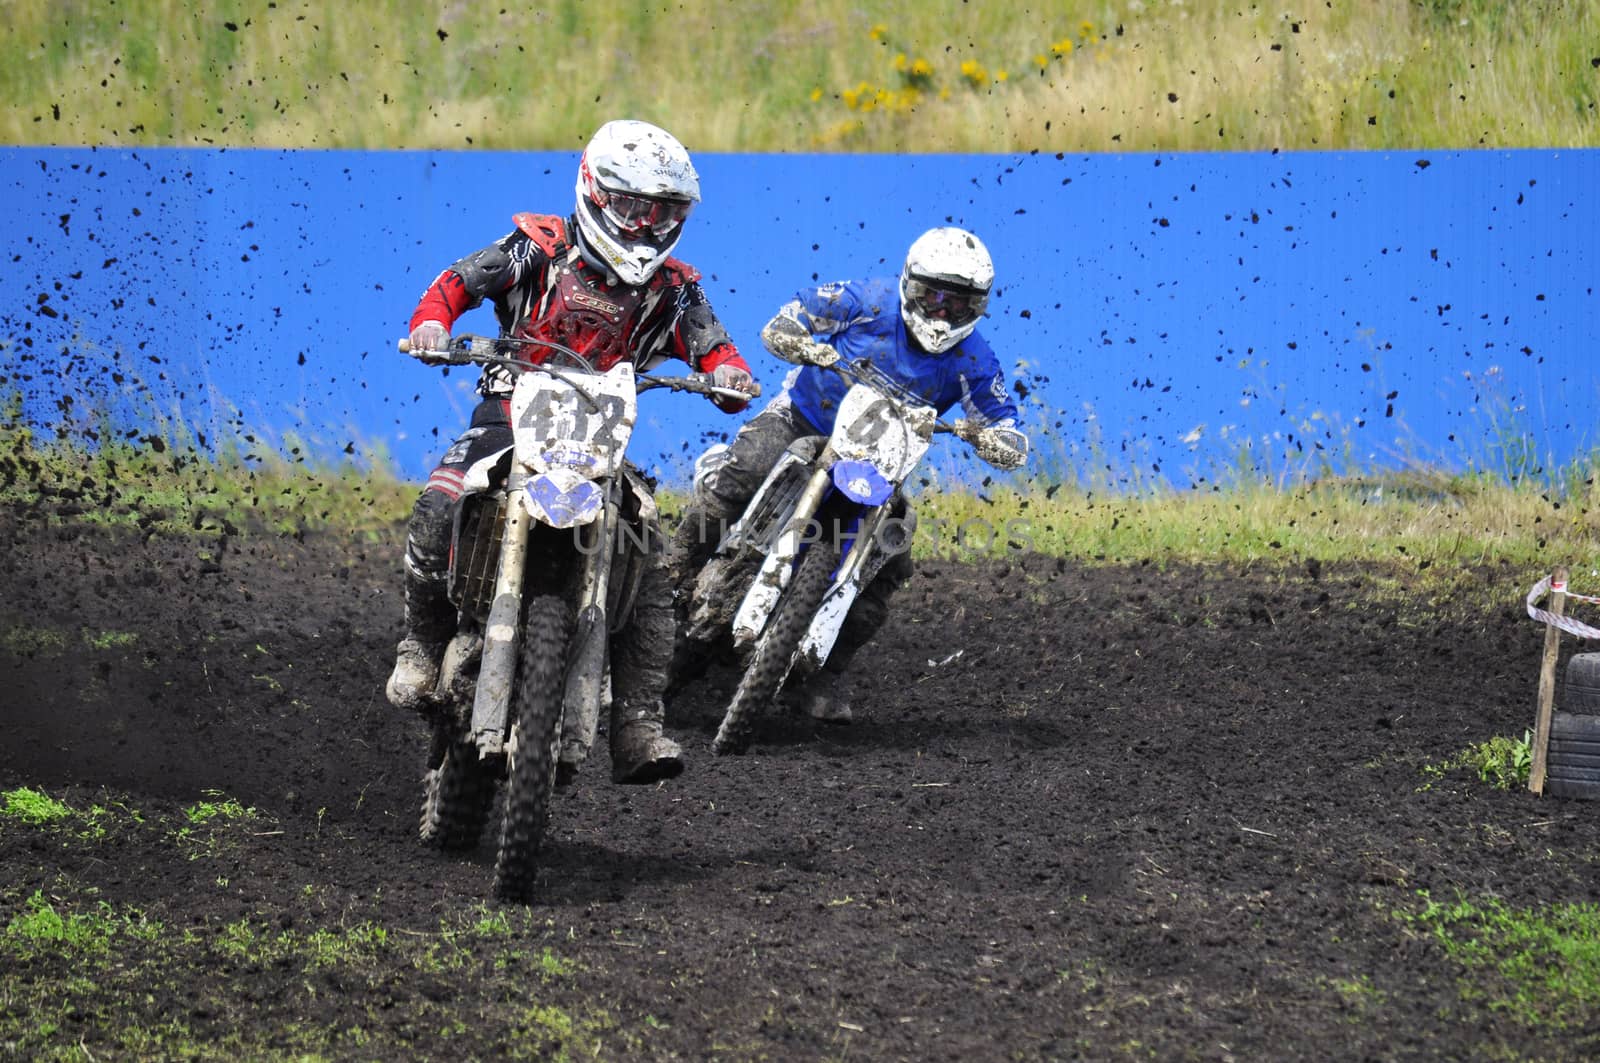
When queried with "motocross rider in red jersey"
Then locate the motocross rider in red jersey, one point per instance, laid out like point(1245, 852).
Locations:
point(601, 282)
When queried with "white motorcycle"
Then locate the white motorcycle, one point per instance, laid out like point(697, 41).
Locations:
point(545, 564)
point(820, 527)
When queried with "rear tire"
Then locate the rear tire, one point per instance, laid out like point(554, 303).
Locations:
point(775, 651)
point(536, 741)
point(458, 792)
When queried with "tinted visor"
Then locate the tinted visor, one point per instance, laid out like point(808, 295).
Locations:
point(958, 306)
point(633, 214)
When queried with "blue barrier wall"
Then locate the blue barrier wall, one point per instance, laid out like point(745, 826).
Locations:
point(1168, 315)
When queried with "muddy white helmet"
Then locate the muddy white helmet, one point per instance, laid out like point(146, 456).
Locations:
point(944, 288)
point(635, 187)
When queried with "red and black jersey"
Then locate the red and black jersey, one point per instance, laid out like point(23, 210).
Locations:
point(542, 288)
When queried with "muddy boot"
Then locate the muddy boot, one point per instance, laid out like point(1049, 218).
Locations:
point(416, 673)
point(825, 697)
point(640, 753)
point(430, 621)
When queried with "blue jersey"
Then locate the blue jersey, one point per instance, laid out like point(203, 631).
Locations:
point(861, 319)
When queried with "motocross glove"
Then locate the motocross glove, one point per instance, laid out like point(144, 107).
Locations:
point(999, 445)
point(429, 342)
point(819, 354)
point(731, 376)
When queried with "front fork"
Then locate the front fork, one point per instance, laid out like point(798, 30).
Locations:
point(498, 666)
point(586, 666)
point(776, 568)
point(817, 643)
point(491, 705)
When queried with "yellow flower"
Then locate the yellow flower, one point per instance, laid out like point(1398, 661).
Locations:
point(1086, 30)
point(917, 74)
point(1062, 47)
point(1041, 60)
point(1000, 75)
point(899, 62)
point(877, 32)
point(974, 72)
point(816, 94)
point(907, 100)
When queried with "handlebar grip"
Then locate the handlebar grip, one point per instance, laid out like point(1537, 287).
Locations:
point(404, 345)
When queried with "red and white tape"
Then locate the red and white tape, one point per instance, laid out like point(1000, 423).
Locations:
point(1565, 623)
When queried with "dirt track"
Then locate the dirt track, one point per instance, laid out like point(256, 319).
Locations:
point(1103, 812)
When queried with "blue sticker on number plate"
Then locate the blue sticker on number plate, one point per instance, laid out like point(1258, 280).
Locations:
point(564, 509)
point(861, 482)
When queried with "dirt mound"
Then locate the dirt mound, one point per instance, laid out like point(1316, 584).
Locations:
point(1084, 812)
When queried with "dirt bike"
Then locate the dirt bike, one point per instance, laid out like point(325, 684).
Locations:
point(819, 528)
point(545, 563)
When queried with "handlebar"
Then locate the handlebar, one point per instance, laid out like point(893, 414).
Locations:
point(699, 383)
point(467, 349)
point(864, 372)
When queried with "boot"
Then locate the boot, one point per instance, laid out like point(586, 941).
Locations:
point(824, 697)
point(416, 673)
point(640, 753)
point(430, 621)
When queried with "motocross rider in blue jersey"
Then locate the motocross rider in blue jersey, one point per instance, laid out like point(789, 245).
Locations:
point(922, 331)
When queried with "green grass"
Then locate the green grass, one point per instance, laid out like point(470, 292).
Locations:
point(1539, 965)
point(159, 479)
point(780, 75)
point(1504, 763)
point(41, 928)
point(36, 809)
point(138, 467)
point(72, 962)
point(1374, 518)
point(84, 978)
point(209, 827)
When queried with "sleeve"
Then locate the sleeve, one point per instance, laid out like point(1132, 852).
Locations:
point(482, 274)
point(827, 310)
point(786, 335)
point(984, 398)
point(700, 339)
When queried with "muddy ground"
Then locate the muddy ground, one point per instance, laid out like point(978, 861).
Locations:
point(1106, 811)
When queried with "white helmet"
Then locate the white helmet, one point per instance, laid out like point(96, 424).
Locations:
point(635, 187)
point(944, 288)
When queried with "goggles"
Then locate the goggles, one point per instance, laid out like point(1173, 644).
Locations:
point(958, 306)
point(634, 214)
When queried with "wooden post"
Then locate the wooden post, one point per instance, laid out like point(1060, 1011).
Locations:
point(1547, 682)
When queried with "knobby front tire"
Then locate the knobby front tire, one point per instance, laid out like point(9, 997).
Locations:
point(536, 739)
point(776, 648)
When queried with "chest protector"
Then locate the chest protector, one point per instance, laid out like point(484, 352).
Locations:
point(574, 306)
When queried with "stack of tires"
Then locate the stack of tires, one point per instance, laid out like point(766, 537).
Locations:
point(1573, 761)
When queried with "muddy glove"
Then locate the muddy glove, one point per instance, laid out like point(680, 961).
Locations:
point(429, 343)
point(728, 375)
point(819, 354)
point(998, 445)
point(787, 338)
